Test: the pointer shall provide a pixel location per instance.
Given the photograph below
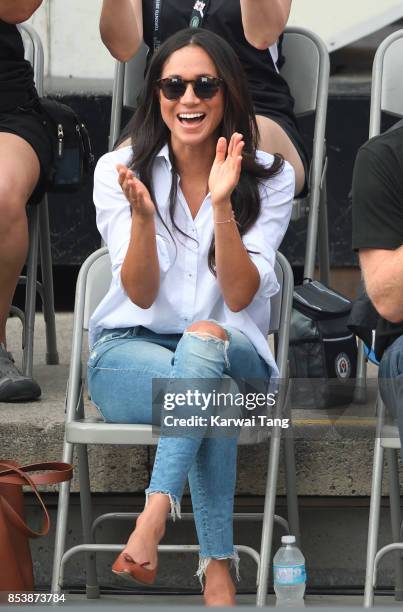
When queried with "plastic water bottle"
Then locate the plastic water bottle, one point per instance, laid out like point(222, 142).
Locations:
point(289, 574)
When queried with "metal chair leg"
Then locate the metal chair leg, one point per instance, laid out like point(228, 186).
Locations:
point(52, 356)
point(395, 514)
point(61, 524)
point(291, 485)
point(360, 390)
point(92, 587)
point(268, 518)
point(30, 291)
point(323, 236)
point(373, 526)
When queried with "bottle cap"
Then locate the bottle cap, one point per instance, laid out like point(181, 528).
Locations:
point(288, 539)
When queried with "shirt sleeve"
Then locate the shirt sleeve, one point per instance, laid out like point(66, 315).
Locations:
point(265, 236)
point(114, 218)
point(377, 199)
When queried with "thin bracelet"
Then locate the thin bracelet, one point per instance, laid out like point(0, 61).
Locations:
point(228, 220)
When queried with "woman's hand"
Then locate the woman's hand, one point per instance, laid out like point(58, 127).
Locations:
point(136, 193)
point(226, 169)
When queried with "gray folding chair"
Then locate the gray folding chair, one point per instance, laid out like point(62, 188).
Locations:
point(39, 234)
point(386, 96)
point(93, 283)
point(307, 73)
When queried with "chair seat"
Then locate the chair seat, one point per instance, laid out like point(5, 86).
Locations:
point(390, 436)
point(95, 431)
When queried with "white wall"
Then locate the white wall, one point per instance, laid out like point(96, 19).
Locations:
point(70, 35)
point(341, 22)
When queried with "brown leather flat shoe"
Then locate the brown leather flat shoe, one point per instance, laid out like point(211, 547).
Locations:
point(126, 567)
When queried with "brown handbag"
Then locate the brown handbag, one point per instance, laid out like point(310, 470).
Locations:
point(16, 571)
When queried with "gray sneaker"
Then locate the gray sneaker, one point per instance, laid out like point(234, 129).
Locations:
point(14, 387)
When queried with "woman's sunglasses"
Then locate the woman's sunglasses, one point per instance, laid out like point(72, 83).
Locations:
point(204, 87)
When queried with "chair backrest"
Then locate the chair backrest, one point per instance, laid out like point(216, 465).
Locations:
point(387, 81)
point(95, 278)
point(304, 69)
point(97, 284)
point(99, 276)
point(93, 283)
point(33, 52)
point(134, 77)
point(128, 81)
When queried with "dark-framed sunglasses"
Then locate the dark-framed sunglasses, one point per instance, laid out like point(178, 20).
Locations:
point(204, 87)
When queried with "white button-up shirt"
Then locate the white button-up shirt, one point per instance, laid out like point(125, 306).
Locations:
point(188, 291)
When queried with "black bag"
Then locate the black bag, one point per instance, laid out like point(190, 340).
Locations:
point(72, 152)
point(323, 351)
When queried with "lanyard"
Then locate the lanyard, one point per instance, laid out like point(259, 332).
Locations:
point(196, 18)
point(157, 29)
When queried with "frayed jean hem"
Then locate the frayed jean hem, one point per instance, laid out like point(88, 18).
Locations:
point(204, 561)
point(173, 500)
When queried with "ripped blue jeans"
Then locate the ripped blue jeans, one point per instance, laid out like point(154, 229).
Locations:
point(121, 367)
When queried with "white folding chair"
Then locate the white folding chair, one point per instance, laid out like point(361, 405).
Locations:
point(306, 71)
point(39, 237)
point(93, 283)
point(386, 96)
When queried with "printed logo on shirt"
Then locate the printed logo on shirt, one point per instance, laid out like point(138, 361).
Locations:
point(195, 22)
point(199, 6)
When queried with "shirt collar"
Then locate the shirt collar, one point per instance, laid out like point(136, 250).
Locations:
point(164, 153)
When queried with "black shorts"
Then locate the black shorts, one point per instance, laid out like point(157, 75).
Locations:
point(26, 123)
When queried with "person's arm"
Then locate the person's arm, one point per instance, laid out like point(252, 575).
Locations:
point(140, 273)
point(383, 276)
point(17, 11)
point(121, 27)
point(237, 276)
point(264, 20)
point(130, 238)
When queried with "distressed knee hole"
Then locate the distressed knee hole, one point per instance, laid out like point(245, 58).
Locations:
point(205, 329)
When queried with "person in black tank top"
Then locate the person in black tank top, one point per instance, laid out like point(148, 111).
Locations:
point(240, 23)
point(25, 157)
point(16, 77)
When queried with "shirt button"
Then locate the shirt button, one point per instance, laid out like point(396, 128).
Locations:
point(190, 275)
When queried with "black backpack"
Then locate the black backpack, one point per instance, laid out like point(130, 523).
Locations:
point(323, 351)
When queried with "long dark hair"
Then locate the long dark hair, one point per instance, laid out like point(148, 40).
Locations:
point(149, 132)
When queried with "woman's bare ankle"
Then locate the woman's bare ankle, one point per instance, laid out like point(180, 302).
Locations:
point(155, 513)
point(219, 587)
point(153, 525)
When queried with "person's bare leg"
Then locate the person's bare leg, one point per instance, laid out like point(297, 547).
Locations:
point(219, 588)
point(150, 528)
point(273, 139)
point(20, 171)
